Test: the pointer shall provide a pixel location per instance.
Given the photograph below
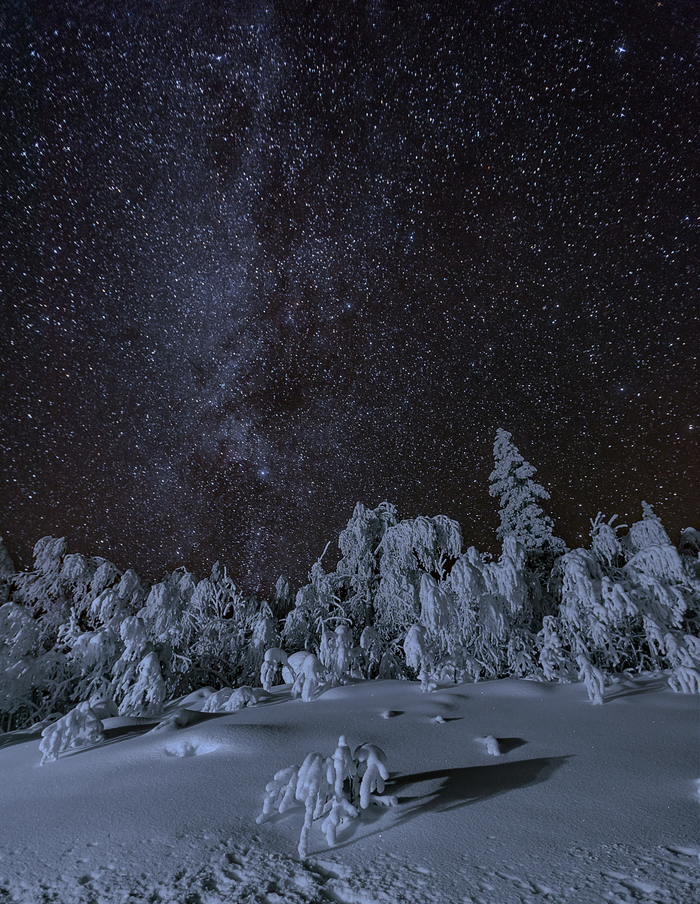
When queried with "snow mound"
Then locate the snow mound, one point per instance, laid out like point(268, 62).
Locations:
point(189, 747)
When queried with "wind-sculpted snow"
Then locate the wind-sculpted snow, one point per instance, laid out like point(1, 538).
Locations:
point(169, 816)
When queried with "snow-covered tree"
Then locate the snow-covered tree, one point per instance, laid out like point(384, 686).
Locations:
point(147, 695)
point(314, 602)
point(605, 544)
point(520, 514)
point(647, 532)
point(411, 549)
point(358, 571)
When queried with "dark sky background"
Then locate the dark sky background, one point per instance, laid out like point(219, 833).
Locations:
point(262, 260)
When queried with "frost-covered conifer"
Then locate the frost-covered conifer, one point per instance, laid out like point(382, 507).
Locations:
point(338, 654)
point(283, 598)
point(312, 607)
point(521, 515)
point(264, 636)
point(647, 532)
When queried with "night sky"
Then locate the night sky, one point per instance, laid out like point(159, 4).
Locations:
point(260, 261)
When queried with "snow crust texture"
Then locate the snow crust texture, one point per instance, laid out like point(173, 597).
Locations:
point(235, 872)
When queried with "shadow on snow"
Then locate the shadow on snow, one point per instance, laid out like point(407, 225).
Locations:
point(456, 788)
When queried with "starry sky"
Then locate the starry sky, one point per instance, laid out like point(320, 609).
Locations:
point(261, 260)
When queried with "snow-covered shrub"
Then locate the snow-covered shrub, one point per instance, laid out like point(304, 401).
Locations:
point(552, 656)
point(337, 787)
point(79, 727)
point(605, 544)
point(230, 700)
point(593, 677)
point(372, 647)
point(492, 745)
point(685, 679)
point(390, 667)
point(689, 544)
point(656, 561)
point(614, 616)
point(271, 668)
point(339, 655)
point(310, 678)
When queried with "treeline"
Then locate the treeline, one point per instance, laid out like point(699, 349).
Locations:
point(405, 600)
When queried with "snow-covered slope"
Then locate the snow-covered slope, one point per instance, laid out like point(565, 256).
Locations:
point(583, 804)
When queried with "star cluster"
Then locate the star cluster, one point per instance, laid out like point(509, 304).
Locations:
point(262, 260)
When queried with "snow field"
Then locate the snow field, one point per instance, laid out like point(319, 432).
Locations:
point(585, 803)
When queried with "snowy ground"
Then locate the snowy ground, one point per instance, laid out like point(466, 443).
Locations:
point(584, 804)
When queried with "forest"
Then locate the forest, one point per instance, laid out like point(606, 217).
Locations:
point(81, 641)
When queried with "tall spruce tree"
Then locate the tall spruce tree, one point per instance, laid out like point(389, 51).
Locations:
point(521, 516)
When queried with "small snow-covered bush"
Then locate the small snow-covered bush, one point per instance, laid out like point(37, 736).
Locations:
point(310, 678)
point(230, 700)
point(79, 727)
point(273, 663)
point(338, 787)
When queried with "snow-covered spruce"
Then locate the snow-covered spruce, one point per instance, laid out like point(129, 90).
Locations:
point(338, 787)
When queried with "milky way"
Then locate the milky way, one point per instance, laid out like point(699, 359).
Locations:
point(263, 260)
